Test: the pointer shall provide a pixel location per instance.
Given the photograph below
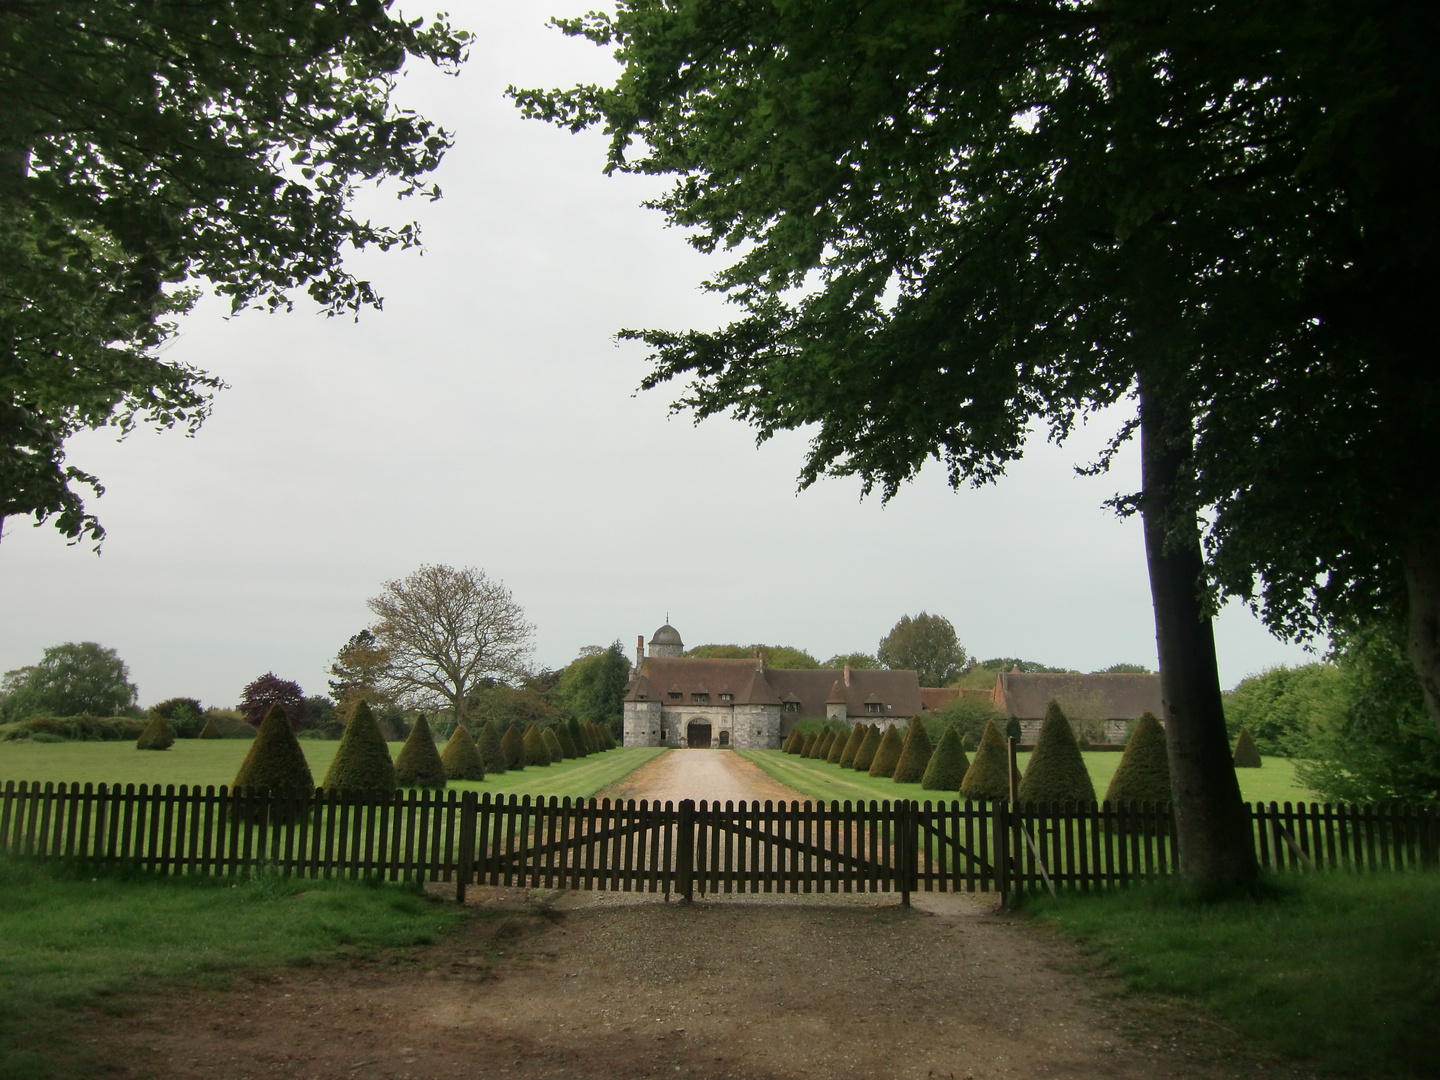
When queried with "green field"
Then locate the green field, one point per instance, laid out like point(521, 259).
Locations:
point(215, 761)
point(1272, 782)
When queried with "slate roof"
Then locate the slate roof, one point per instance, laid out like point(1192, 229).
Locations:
point(1090, 697)
point(897, 691)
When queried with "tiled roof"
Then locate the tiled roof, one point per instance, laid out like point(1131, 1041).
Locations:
point(1090, 697)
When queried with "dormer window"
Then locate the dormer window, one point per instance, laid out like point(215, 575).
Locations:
point(700, 699)
point(727, 697)
point(792, 706)
point(874, 707)
point(675, 695)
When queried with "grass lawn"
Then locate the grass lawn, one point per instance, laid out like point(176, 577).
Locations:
point(1273, 781)
point(75, 942)
point(1337, 970)
point(215, 761)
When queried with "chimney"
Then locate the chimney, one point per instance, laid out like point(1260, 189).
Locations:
point(847, 674)
point(639, 652)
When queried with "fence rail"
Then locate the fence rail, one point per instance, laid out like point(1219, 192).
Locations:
point(895, 847)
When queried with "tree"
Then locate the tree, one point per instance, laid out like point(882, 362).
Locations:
point(443, 631)
point(269, 689)
point(954, 220)
point(1281, 704)
point(1125, 669)
point(860, 660)
point(148, 146)
point(577, 737)
point(592, 686)
point(775, 656)
point(356, 675)
point(73, 678)
point(925, 644)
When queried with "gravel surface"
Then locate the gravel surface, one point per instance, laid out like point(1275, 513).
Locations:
point(701, 774)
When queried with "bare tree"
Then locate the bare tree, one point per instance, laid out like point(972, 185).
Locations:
point(443, 630)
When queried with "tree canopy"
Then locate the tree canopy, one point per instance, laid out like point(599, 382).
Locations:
point(775, 656)
point(73, 678)
point(145, 147)
point(268, 691)
point(592, 687)
point(926, 643)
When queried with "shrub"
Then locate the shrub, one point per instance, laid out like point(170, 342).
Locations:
point(852, 745)
point(362, 760)
point(230, 724)
point(487, 745)
point(947, 765)
point(592, 734)
point(988, 778)
point(837, 747)
point(567, 744)
point(552, 743)
point(791, 740)
point(186, 716)
point(418, 763)
point(822, 744)
point(46, 737)
point(1013, 730)
point(1143, 774)
point(513, 746)
point(868, 745)
point(607, 736)
point(536, 752)
point(809, 743)
point(914, 754)
point(460, 758)
point(577, 736)
point(82, 728)
point(270, 690)
point(209, 731)
point(1056, 773)
point(887, 754)
point(275, 760)
point(158, 735)
point(967, 742)
point(1246, 756)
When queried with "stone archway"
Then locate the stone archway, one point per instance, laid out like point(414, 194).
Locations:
point(724, 740)
point(697, 735)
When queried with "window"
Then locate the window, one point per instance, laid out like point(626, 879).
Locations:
point(873, 707)
point(792, 706)
point(727, 697)
point(675, 695)
point(700, 699)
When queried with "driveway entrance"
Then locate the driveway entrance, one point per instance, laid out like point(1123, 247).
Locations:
point(697, 735)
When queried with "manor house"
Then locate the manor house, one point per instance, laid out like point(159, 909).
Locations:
point(674, 700)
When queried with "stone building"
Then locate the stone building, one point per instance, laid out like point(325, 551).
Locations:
point(1098, 706)
point(674, 700)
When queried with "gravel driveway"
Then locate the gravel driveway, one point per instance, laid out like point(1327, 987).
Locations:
point(700, 774)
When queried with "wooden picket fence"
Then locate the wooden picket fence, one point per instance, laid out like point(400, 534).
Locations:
point(684, 848)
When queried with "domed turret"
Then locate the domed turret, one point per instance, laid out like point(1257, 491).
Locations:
point(666, 642)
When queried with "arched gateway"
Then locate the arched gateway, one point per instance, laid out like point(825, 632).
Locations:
point(697, 735)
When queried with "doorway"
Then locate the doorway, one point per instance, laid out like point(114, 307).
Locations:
point(697, 735)
point(724, 740)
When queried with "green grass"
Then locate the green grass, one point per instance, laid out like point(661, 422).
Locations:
point(1336, 970)
point(215, 761)
point(1274, 781)
point(73, 942)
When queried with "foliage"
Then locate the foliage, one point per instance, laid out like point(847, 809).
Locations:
point(1144, 771)
point(276, 760)
point(418, 764)
point(865, 756)
point(487, 745)
point(269, 689)
point(1056, 771)
point(444, 630)
point(460, 758)
point(1013, 729)
point(148, 146)
point(926, 644)
point(1125, 669)
point(969, 714)
point(565, 740)
point(172, 708)
point(356, 674)
point(1280, 705)
point(846, 760)
point(523, 705)
point(948, 764)
point(534, 747)
point(821, 750)
point(577, 736)
point(83, 728)
point(1245, 755)
point(230, 723)
point(362, 760)
point(552, 745)
point(914, 754)
point(70, 679)
point(860, 661)
point(887, 754)
point(607, 736)
point(837, 746)
point(592, 687)
point(792, 741)
point(320, 715)
point(209, 731)
point(988, 778)
point(775, 656)
point(512, 745)
point(158, 735)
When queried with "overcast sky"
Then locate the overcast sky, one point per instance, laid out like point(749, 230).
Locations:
point(486, 417)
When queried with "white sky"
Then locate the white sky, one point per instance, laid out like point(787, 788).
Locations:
point(487, 417)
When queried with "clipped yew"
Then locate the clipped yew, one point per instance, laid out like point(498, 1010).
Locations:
point(487, 745)
point(460, 757)
point(1247, 754)
point(809, 744)
point(209, 731)
point(865, 756)
point(852, 745)
point(822, 744)
point(914, 754)
point(792, 742)
point(362, 760)
point(988, 778)
point(513, 745)
point(567, 744)
point(158, 735)
point(275, 760)
point(948, 763)
point(533, 744)
point(837, 747)
point(577, 736)
point(607, 736)
point(592, 733)
point(1056, 773)
point(887, 754)
point(418, 763)
point(552, 743)
point(1143, 775)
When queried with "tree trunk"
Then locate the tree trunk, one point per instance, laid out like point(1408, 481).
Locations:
point(1216, 850)
point(1422, 595)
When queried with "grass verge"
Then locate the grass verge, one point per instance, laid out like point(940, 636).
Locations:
point(1337, 971)
point(75, 941)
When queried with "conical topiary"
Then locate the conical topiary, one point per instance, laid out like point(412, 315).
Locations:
point(809, 743)
point(536, 752)
point(822, 744)
point(791, 742)
point(837, 747)
point(487, 745)
point(418, 763)
point(1247, 754)
point(947, 765)
point(460, 758)
point(607, 736)
point(158, 735)
point(362, 760)
point(209, 731)
point(567, 744)
point(1143, 775)
point(597, 744)
point(967, 742)
point(988, 778)
point(914, 754)
point(1056, 773)
point(852, 746)
point(513, 746)
point(276, 760)
point(865, 756)
point(577, 736)
point(552, 743)
point(887, 754)
point(1013, 730)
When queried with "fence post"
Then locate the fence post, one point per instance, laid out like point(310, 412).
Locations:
point(907, 823)
point(466, 862)
point(1000, 846)
point(685, 851)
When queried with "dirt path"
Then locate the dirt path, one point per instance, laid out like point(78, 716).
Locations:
point(715, 775)
point(599, 986)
